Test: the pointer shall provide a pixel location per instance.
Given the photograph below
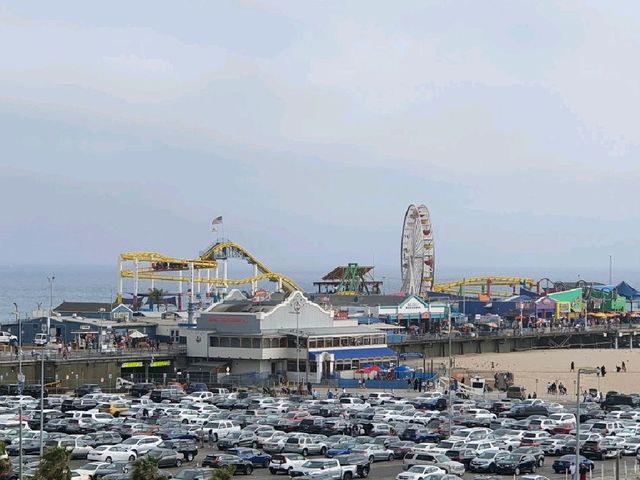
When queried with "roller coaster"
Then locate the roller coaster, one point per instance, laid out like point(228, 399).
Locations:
point(484, 285)
point(155, 266)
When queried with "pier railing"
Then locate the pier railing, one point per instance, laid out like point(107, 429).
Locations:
point(50, 354)
point(503, 333)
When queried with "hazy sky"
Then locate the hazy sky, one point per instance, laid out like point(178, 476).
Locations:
point(310, 126)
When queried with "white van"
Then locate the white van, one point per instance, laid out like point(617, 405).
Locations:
point(41, 339)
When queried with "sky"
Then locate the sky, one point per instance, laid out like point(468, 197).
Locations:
point(311, 126)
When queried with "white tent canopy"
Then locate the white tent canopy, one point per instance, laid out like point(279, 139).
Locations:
point(137, 334)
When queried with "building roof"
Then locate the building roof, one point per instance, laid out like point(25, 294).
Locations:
point(244, 306)
point(359, 329)
point(85, 307)
point(339, 272)
point(357, 300)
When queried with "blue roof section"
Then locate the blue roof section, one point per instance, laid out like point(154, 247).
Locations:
point(627, 290)
point(348, 353)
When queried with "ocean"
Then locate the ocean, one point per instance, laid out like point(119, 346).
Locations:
point(27, 285)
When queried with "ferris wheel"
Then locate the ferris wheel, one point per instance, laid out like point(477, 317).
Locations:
point(417, 252)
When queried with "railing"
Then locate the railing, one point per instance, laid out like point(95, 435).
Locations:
point(33, 354)
point(503, 333)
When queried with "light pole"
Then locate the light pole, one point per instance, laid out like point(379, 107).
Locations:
point(610, 269)
point(20, 385)
point(47, 332)
point(297, 307)
point(450, 370)
point(585, 370)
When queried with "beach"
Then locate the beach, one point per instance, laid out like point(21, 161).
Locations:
point(534, 369)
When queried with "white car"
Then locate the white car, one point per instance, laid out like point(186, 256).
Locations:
point(141, 444)
point(201, 397)
point(86, 471)
point(419, 471)
point(7, 337)
point(285, 463)
point(220, 428)
point(111, 453)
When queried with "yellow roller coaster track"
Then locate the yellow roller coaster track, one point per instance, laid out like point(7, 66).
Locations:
point(207, 260)
point(474, 283)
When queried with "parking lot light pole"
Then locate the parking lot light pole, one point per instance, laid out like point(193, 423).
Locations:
point(584, 370)
point(20, 384)
point(450, 370)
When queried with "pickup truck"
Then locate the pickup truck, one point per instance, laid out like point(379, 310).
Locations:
point(326, 467)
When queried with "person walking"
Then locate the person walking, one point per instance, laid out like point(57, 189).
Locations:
point(573, 366)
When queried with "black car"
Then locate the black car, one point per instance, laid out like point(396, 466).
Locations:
point(520, 412)
point(9, 389)
point(515, 464)
point(188, 448)
point(28, 447)
point(74, 427)
point(197, 387)
point(312, 425)
point(535, 452)
point(67, 405)
point(56, 425)
point(87, 388)
point(222, 460)
point(363, 466)
point(140, 389)
point(34, 422)
point(33, 390)
point(166, 394)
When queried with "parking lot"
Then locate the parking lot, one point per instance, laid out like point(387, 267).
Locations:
point(350, 430)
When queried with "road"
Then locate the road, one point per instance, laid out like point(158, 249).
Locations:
point(388, 470)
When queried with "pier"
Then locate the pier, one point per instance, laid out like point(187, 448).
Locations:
point(93, 366)
point(437, 346)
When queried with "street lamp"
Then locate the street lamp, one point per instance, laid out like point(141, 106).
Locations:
point(450, 369)
point(583, 370)
point(47, 331)
point(20, 386)
point(297, 307)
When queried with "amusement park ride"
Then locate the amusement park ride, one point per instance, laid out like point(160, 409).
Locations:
point(155, 266)
point(417, 263)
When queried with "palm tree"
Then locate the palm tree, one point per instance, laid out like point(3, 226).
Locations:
point(54, 464)
point(224, 473)
point(156, 297)
point(5, 464)
point(146, 468)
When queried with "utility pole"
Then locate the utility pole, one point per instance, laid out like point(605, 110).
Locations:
point(47, 332)
point(20, 386)
point(450, 370)
point(610, 269)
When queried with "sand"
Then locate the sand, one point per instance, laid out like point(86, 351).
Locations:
point(554, 365)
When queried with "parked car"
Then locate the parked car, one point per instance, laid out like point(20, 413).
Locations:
point(165, 457)
point(219, 460)
point(515, 464)
point(285, 462)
